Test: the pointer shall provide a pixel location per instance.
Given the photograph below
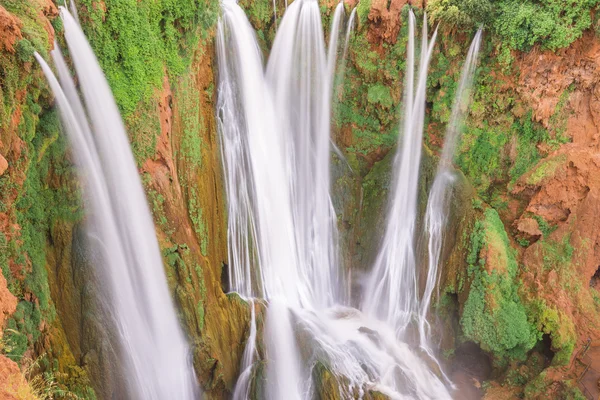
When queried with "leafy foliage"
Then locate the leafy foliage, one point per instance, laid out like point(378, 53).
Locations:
point(553, 24)
point(493, 315)
point(135, 41)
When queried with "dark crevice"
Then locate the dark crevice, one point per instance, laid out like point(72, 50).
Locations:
point(595, 280)
point(225, 277)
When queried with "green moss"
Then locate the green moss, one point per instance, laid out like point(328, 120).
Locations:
point(25, 50)
point(199, 223)
point(558, 120)
point(143, 127)
point(259, 12)
point(493, 315)
point(33, 29)
point(561, 330)
point(544, 226)
point(43, 199)
point(136, 40)
point(369, 102)
point(557, 255)
point(362, 11)
point(462, 14)
point(157, 201)
point(528, 137)
point(546, 168)
point(543, 386)
point(482, 156)
point(191, 120)
point(379, 94)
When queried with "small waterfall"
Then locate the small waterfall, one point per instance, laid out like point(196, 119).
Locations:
point(349, 29)
point(156, 357)
point(391, 293)
point(438, 204)
point(73, 9)
point(332, 50)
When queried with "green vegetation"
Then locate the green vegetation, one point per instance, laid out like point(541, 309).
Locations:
point(379, 94)
point(191, 120)
point(528, 136)
point(544, 226)
point(493, 315)
point(38, 192)
point(482, 156)
point(362, 11)
point(34, 33)
point(143, 127)
point(37, 207)
point(198, 221)
point(561, 330)
point(538, 388)
point(519, 25)
point(546, 168)
point(370, 99)
point(136, 40)
point(25, 50)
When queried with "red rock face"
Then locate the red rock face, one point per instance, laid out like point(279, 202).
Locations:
point(10, 30)
point(3, 165)
point(11, 380)
point(568, 194)
point(384, 21)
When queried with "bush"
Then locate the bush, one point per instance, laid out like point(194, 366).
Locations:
point(25, 50)
point(519, 24)
point(460, 13)
point(493, 315)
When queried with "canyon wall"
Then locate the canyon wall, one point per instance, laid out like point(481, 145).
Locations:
point(519, 295)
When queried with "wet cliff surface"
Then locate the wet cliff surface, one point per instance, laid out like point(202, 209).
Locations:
point(519, 298)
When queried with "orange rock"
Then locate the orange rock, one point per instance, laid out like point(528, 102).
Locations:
point(3, 165)
point(13, 385)
point(384, 21)
point(10, 30)
point(8, 302)
point(529, 229)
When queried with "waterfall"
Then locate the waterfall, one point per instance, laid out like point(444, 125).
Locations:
point(349, 29)
point(73, 9)
point(262, 254)
point(438, 204)
point(156, 357)
point(391, 293)
point(274, 126)
point(336, 24)
point(297, 75)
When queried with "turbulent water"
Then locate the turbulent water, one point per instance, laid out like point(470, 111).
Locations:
point(274, 123)
point(156, 357)
point(438, 203)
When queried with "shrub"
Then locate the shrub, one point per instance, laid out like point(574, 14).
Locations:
point(493, 315)
point(25, 50)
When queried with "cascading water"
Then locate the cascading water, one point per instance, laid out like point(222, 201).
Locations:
point(332, 50)
point(349, 28)
point(155, 354)
point(73, 10)
point(297, 75)
point(438, 204)
point(256, 182)
point(391, 293)
point(274, 129)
